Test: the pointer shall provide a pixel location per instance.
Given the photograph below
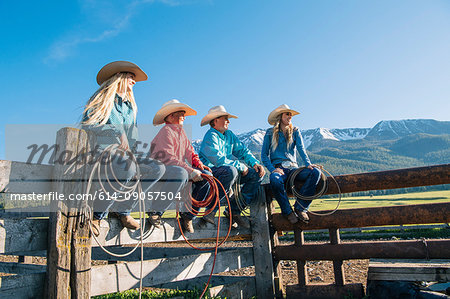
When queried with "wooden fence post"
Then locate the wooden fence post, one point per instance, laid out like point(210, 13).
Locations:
point(302, 270)
point(339, 277)
point(278, 275)
point(262, 249)
point(69, 247)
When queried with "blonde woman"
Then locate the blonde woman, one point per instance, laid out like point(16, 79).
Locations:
point(111, 114)
point(279, 156)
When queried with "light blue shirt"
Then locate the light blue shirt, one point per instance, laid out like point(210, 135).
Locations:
point(219, 149)
point(120, 121)
point(282, 153)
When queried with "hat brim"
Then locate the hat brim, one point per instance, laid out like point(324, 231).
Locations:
point(171, 108)
point(115, 67)
point(272, 119)
point(209, 117)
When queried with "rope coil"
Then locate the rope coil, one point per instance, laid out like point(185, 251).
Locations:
point(213, 196)
point(290, 185)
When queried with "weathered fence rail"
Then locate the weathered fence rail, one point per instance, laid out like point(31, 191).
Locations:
point(364, 217)
point(69, 248)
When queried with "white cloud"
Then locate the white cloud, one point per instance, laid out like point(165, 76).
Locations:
point(98, 13)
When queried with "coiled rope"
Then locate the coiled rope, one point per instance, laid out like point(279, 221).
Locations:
point(123, 189)
point(291, 186)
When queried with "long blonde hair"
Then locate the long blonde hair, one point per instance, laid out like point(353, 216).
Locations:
point(98, 108)
point(287, 134)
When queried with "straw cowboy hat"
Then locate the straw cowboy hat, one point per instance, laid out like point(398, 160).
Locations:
point(171, 107)
point(215, 112)
point(115, 67)
point(272, 119)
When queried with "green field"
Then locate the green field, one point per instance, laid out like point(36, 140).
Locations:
point(382, 200)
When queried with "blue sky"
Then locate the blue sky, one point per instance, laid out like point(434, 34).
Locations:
point(340, 63)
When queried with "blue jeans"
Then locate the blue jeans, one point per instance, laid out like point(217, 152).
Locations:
point(277, 181)
point(227, 175)
point(151, 172)
point(174, 180)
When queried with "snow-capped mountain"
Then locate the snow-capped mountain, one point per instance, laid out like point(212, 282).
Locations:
point(392, 129)
point(315, 135)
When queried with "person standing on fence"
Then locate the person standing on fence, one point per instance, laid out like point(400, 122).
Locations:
point(279, 156)
point(110, 114)
point(172, 147)
point(222, 151)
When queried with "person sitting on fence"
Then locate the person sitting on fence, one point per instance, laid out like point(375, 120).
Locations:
point(172, 147)
point(110, 114)
point(279, 156)
point(222, 151)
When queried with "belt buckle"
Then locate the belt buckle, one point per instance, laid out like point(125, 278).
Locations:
point(289, 164)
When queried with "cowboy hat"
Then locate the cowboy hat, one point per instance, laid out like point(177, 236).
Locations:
point(171, 107)
point(272, 119)
point(215, 112)
point(115, 67)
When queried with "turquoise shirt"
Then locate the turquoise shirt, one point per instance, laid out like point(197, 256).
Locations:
point(120, 121)
point(219, 149)
point(282, 153)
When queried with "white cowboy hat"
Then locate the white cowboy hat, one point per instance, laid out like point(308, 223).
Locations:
point(171, 107)
point(215, 112)
point(115, 67)
point(272, 119)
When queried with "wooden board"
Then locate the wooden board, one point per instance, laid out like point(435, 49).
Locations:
point(409, 270)
point(25, 236)
point(22, 236)
point(22, 286)
point(124, 276)
point(19, 177)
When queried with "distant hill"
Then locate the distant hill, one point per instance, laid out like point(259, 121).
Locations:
point(389, 144)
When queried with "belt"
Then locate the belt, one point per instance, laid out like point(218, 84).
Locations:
point(286, 164)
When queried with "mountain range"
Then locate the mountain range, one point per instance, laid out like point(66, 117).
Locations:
point(390, 144)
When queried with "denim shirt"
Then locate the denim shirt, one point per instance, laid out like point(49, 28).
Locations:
point(282, 153)
point(218, 149)
point(120, 121)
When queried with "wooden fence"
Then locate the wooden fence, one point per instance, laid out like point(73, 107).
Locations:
point(65, 239)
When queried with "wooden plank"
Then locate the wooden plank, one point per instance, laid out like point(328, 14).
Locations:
point(124, 276)
point(17, 268)
point(433, 248)
point(150, 253)
point(23, 236)
point(262, 247)
point(23, 286)
point(392, 179)
point(409, 270)
point(23, 178)
point(112, 233)
point(407, 214)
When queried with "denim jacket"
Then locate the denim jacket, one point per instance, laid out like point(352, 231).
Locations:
point(219, 149)
point(282, 153)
